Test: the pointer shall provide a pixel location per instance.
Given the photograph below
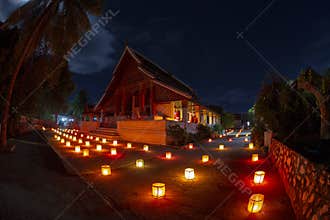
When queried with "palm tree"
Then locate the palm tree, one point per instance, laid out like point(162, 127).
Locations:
point(57, 23)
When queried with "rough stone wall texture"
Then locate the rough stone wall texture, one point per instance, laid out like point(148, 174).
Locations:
point(306, 183)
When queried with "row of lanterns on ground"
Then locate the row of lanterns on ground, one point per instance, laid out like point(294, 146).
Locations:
point(158, 189)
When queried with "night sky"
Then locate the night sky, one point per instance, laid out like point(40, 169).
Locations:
point(197, 41)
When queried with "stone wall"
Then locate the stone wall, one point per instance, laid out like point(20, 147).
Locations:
point(306, 183)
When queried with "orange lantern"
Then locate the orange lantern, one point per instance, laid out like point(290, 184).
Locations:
point(145, 147)
point(85, 152)
point(168, 155)
point(87, 143)
point(221, 147)
point(106, 170)
point(129, 145)
point(113, 151)
point(115, 143)
point(98, 147)
point(158, 190)
point(254, 157)
point(104, 140)
point(191, 146)
point(259, 177)
point(210, 140)
point(205, 158)
point(77, 149)
point(68, 144)
point(255, 203)
point(139, 163)
point(251, 145)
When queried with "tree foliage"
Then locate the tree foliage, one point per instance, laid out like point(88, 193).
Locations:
point(79, 104)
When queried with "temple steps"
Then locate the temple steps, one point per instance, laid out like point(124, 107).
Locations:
point(108, 133)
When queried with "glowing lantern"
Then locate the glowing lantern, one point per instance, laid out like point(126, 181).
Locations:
point(255, 203)
point(139, 163)
point(106, 170)
point(246, 139)
point(97, 139)
point(91, 137)
point(191, 146)
point(221, 147)
point(113, 151)
point(77, 149)
point(81, 135)
point(189, 173)
point(98, 147)
point(70, 137)
point(85, 152)
point(80, 141)
point(168, 155)
point(55, 136)
point(104, 140)
point(220, 135)
point(251, 145)
point(145, 147)
point(254, 157)
point(259, 177)
point(237, 135)
point(62, 141)
point(43, 128)
point(87, 137)
point(230, 140)
point(205, 158)
point(210, 140)
point(158, 190)
point(115, 142)
point(129, 145)
point(68, 144)
point(58, 138)
point(74, 138)
point(75, 134)
point(87, 143)
point(247, 135)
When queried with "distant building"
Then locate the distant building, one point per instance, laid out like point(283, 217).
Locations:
point(142, 95)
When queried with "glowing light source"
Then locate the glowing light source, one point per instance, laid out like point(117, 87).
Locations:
point(230, 140)
point(113, 151)
point(237, 135)
point(259, 177)
point(158, 190)
point(189, 173)
point(58, 138)
point(55, 136)
point(168, 155)
point(255, 203)
point(115, 142)
point(205, 158)
point(85, 152)
point(81, 135)
point(221, 147)
point(254, 157)
point(210, 140)
point(68, 144)
point(106, 170)
point(97, 139)
point(220, 135)
point(77, 149)
point(62, 141)
point(129, 145)
point(87, 143)
point(139, 163)
point(246, 139)
point(80, 141)
point(145, 147)
point(191, 146)
point(104, 140)
point(247, 135)
point(251, 145)
point(98, 147)
point(74, 138)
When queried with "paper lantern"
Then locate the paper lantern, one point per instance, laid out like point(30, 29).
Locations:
point(220, 135)
point(139, 163)
point(74, 138)
point(58, 138)
point(85, 152)
point(221, 147)
point(210, 140)
point(246, 139)
point(87, 137)
point(247, 135)
point(80, 141)
point(230, 140)
point(62, 141)
point(106, 170)
point(254, 157)
point(205, 158)
point(129, 145)
point(259, 177)
point(168, 155)
point(145, 147)
point(104, 140)
point(87, 143)
point(158, 190)
point(70, 137)
point(237, 135)
point(77, 149)
point(251, 145)
point(97, 139)
point(55, 136)
point(113, 151)
point(255, 203)
point(91, 137)
point(191, 146)
point(115, 142)
point(68, 144)
point(189, 173)
point(98, 147)
point(81, 135)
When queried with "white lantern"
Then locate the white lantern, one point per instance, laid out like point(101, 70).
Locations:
point(189, 173)
point(98, 147)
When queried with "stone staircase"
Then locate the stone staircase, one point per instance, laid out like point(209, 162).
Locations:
point(108, 133)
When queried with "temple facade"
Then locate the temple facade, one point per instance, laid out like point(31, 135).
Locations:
point(142, 92)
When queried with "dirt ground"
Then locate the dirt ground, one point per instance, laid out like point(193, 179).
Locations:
point(35, 185)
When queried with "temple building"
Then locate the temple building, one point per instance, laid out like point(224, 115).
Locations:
point(142, 95)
